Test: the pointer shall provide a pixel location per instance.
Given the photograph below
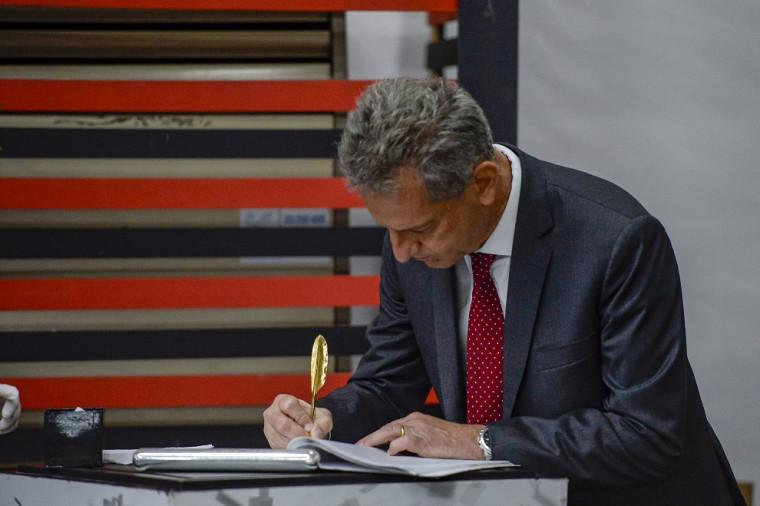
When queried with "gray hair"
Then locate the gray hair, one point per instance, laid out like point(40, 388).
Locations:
point(430, 125)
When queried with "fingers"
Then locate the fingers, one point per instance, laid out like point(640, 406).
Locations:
point(284, 419)
point(8, 392)
point(398, 441)
point(8, 425)
point(10, 418)
point(402, 444)
point(323, 424)
point(391, 430)
point(427, 436)
point(385, 434)
point(11, 409)
point(289, 417)
point(297, 409)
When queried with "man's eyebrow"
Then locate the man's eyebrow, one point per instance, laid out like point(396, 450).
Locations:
point(417, 227)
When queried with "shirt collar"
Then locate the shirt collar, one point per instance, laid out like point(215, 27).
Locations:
point(501, 239)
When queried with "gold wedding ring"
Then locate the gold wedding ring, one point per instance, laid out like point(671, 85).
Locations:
point(403, 431)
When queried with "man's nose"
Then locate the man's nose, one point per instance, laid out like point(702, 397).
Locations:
point(404, 248)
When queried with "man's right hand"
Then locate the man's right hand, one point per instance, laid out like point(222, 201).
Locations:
point(289, 417)
point(10, 408)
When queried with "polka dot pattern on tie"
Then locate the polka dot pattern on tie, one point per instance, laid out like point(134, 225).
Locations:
point(485, 345)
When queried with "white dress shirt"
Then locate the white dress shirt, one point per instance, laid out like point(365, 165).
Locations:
point(500, 244)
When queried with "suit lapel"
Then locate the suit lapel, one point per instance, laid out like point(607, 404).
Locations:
point(531, 253)
point(450, 367)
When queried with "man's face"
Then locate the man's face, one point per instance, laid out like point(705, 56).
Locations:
point(437, 233)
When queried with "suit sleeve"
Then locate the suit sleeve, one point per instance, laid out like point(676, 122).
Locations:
point(638, 433)
point(390, 381)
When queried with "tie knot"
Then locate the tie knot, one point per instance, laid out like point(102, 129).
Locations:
point(481, 263)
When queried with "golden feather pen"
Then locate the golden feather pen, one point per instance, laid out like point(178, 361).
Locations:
point(318, 369)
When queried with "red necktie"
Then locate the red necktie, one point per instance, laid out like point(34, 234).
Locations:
point(485, 345)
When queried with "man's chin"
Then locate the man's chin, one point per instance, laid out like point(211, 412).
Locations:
point(436, 263)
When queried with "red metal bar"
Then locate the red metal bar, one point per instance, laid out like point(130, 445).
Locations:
point(187, 292)
point(47, 95)
point(246, 5)
point(166, 193)
point(165, 391)
point(441, 17)
point(168, 391)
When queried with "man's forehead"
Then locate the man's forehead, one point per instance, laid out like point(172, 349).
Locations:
point(401, 210)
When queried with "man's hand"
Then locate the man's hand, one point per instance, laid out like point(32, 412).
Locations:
point(289, 417)
point(10, 408)
point(428, 436)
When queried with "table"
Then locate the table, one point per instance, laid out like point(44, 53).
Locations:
point(124, 486)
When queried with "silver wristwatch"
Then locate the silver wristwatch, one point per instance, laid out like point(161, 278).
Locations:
point(484, 441)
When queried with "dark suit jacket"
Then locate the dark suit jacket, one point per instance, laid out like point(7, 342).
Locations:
point(597, 384)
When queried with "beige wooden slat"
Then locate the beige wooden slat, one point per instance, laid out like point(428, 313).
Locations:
point(237, 415)
point(108, 219)
point(270, 266)
point(89, 15)
point(170, 121)
point(186, 416)
point(166, 168)
point(161, 44)
point(306, 268)
point(300, 270)
point(111, 219)
point(170, 71)
point(163, 319)
point(157, 367)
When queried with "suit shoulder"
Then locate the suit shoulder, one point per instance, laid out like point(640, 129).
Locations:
point(592, 191)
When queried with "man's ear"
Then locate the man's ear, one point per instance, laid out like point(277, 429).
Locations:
point(485, 177)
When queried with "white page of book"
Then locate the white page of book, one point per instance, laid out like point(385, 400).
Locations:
point(356, 458)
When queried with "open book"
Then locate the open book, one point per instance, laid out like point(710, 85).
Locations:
point(305, 454)
point(336, 456)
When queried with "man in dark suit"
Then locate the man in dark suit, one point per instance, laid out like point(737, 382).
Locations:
point(542, 304)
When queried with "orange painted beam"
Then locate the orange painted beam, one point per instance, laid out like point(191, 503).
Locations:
point(45, 95)
point(26, 294)
point(165, 391)
point(168, 391)
point(441, 17)
point(165, 193)
point(246, 5)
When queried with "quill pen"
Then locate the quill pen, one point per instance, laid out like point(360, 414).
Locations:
point(318, 369)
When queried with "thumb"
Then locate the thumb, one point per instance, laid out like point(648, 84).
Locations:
point(5, 425)
point(11, 404)
point(11, 408)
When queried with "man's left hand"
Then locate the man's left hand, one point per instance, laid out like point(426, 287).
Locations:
point(428, 436)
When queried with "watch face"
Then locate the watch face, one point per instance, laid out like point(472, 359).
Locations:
point(484, 441)
point(487, 437)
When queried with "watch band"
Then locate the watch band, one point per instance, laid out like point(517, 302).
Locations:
point(484, 441)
